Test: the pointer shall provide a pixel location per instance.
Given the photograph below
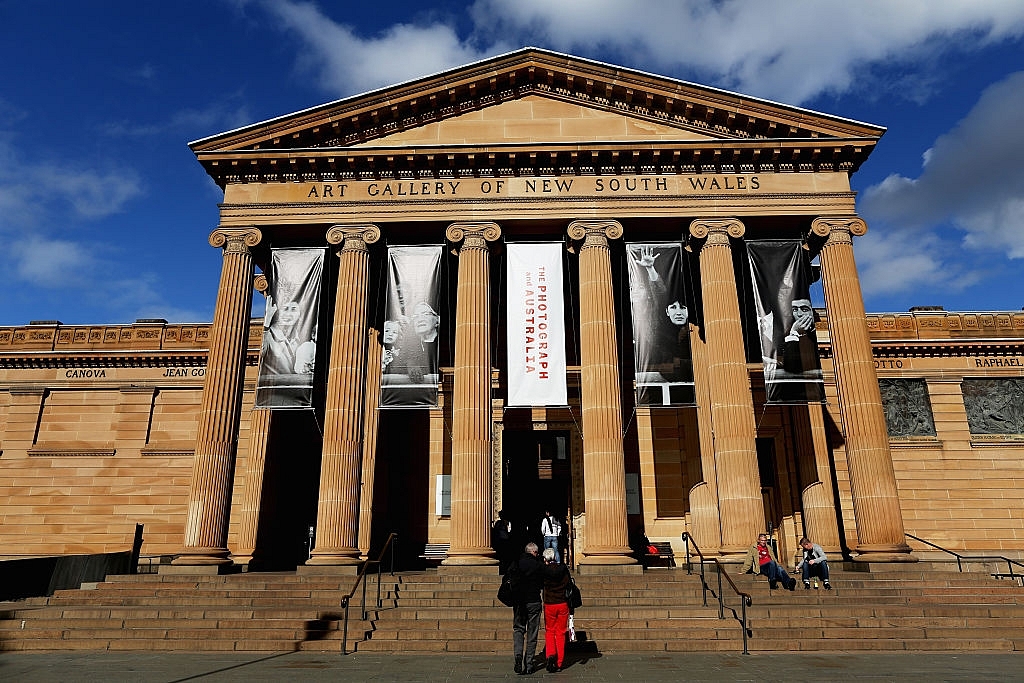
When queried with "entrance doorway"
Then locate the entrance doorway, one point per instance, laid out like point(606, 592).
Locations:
point(537, 476)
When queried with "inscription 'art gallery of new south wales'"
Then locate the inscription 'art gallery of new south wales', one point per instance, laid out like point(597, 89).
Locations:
point(531, 283)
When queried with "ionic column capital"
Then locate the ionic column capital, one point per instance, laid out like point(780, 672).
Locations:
point(595, 233)
point(353, 237)
point(839, 229)
point(473, 235)
point(717, 230)
point(261, 284)
point(235, 240)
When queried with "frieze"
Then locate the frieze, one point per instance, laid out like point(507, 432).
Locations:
point(539, 187)
point(994, 406)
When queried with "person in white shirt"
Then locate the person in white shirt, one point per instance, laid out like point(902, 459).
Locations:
point(551, 529)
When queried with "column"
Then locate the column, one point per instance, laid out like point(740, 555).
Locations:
point(338, 508)
point(604, 465)
point(876, 504)
point(707, 528)
point(741, 509)
point(820, 522)
point(471, 399)
point(371, 420)
point(209, 498)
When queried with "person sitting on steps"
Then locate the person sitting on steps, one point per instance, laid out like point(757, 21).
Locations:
point(761, 560)
point(813, 563)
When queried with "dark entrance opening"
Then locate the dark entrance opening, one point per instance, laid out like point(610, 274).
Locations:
point(537, 476)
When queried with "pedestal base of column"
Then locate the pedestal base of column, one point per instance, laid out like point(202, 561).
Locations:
point(470, 560)
point(334, 558)
point(607, 556)
point(328, 569)
point(203, 557)
point(884, 553)
point(609, 569)
point(731, 554)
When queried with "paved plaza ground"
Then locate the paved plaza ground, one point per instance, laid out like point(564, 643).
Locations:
point(302, 666)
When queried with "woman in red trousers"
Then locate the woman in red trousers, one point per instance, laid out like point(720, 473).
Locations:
point(556, 610)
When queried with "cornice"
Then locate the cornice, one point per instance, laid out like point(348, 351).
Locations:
point(20, 360)
point(687, 106)
point(936, 348)
point(309, 164)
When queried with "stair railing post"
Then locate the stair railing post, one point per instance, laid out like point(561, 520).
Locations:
point(364, 597)
point(704, 584)
point(686, 546)
point(380, 566)
point(394, 542)
point(344, 631)
point(721, 603)
point(745, 650)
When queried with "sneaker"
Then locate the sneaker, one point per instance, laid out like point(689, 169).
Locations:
point(773, 584)
point(518, 668)
point(807, 585)
point(552, 664)
point(828, 586)
point(791, 585)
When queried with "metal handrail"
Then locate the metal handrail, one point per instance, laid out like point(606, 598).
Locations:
point(347, 599)
point(745, 599)
point(687, 540)
point(976, 558)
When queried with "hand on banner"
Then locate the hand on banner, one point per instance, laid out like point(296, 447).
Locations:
point(803, 319)
point(645, 259)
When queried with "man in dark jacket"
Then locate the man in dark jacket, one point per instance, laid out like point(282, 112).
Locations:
point(527, 583)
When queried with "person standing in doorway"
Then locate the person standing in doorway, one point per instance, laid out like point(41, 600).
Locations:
point(551, 529)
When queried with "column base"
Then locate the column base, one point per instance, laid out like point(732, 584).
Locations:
point(202, 557)
point(340, 558)
point(899, 552)
point(328, 569)
point(607, 556)
point(470, 558)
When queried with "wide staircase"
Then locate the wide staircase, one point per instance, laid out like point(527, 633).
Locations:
point(920, 607)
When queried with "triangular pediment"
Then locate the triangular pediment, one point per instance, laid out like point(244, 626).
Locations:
point(537, 112)
point(535, 118)
point(560, 87)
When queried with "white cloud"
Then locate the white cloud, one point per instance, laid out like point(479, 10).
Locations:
point(971, 177)
point(49, 263)
point(346, 63)
point(789, 50)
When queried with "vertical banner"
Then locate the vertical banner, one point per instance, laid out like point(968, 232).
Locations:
point(662, 362)
point(781, 275)
point(409, 374)
point(535, 325)
point(288, 355)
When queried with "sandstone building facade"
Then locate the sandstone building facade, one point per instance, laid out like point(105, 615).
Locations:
point(921, 432)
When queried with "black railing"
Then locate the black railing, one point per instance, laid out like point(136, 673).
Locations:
point(687, 541)
point(960, 559)
point(346, 600)
point(745, 599)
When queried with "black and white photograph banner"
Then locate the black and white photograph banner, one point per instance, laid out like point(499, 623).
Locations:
point(781, 275)
point(535, 325)
point(662, 365)
point(288, 356)
point(409, 374)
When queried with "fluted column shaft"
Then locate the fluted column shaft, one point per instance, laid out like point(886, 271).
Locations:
point(338, 503)
point(707, 529)
point(471, 400)
point(252, 498)
point(741, 509)
point(604, 465)
point(371, 422)
point(820, 523)
point(876, 504)
point(209, 498)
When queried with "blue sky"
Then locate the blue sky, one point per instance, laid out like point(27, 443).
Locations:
point(104, 211)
